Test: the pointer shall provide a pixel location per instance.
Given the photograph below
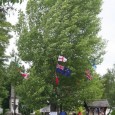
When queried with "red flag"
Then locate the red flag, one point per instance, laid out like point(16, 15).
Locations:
point(57, 80)
point(60, 67)
point(25, 75)
point(88, 75)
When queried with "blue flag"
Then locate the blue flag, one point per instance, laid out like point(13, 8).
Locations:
point(65, 72)
point(58, 70)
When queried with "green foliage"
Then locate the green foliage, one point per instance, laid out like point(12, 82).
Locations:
point(4, 38)
point(24, 109)
point(9, 1)
point(5, 28)
point(80, 109)
point(3, 92)
point(37, 112)
point(61, 27)
point(11, 76)
point(34, 89)
point(13, 71)
point(109, 85)
point(113, 112)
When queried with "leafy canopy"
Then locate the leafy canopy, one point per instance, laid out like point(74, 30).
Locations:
point(61, 27)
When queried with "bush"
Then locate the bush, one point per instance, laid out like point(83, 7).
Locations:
point(37, 112)
point(113, 112)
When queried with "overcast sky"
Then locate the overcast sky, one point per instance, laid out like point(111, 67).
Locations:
point(108, 32)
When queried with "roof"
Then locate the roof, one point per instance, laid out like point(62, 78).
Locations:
point(45, 109)
point(97, 103)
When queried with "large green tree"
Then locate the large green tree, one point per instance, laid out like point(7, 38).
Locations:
point(61, 27)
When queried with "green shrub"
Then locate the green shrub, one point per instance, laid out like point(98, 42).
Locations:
point(37, 112)
point(113, 112)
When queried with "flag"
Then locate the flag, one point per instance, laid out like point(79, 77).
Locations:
point(89, 77)
point(25, 75)
point(61, 58)
point(60, 67)
point(57, 80)
point(65, 72)
point(58, 70)
point(88, 74)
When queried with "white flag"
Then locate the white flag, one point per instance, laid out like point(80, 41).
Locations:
point(61, 58)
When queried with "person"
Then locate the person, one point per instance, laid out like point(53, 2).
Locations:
point(79, 113)
point(63, 113)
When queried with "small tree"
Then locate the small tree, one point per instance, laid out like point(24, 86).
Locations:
point(109, 85)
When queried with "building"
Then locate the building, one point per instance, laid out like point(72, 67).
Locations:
point(96, 107)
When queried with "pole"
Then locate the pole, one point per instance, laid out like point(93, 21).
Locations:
point(14, 103)
point(13, 95)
